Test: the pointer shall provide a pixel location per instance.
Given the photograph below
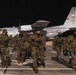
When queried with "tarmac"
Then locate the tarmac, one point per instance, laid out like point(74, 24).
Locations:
point(52, 67)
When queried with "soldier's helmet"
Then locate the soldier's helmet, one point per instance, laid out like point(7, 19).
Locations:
point(4, 31)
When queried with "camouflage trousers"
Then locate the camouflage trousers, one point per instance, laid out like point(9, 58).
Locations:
point(73, 61)
point(5, 63)
point(58, 50)
point(34, 57)
point(20, 55)
point(5, 58)
point(41, 56)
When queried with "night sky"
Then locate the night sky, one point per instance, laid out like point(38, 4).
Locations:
point(29, 11)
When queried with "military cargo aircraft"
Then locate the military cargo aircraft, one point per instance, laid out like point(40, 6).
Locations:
point(40, 24)
point(70, 22)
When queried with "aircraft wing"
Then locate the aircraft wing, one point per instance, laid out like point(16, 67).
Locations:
point(40, 24)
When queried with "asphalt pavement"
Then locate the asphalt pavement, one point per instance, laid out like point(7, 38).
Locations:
point(52, 67)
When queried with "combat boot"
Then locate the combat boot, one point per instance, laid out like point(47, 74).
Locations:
point(35, 69)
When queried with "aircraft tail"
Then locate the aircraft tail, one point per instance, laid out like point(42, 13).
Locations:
point(71, 19)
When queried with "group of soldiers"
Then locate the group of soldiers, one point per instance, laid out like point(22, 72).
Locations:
point(31, 47)
point(67, 47)
point(34, 47)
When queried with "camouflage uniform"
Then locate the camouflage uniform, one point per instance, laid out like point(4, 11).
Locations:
point(37, 50)
point(24, 45)
point(34, 53)
point(72, 52)
point(74, 42)
point(10, 39)
point(11, 42)
point(65, 46)
point(40, 46)
point(27, 46)
point(55, 42)
point(70, 48)
point(57, 45)
point(43, 49)
point(5, 55)
point(19, 46)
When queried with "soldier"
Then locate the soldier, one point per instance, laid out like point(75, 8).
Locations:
point(5, 56)
point(43, 49)
point(33, 52)
point(27, 48)
point(72, 52)
point(38, 49)
point(55, 42)
point(20, 47)
point(65, 46)
point(74, 41)
point(40, 46)
point(14, 42)
point(57, 45)
point(11, 41)
point(70, 48)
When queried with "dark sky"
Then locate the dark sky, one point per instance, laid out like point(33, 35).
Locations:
point(29, 11)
